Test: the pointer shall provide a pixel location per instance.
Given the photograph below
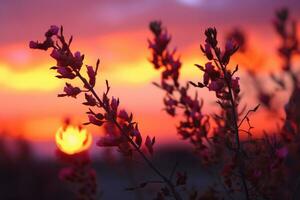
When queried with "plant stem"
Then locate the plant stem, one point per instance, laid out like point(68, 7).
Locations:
point(176, 195)
point(236, 129)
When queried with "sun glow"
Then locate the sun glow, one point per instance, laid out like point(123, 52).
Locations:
point(37, 79)
point(72, 140)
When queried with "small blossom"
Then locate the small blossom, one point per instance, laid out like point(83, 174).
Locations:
point(42, 46)
point(114, 104)
point(155, 27)
point(155, 61)
point(77, 61)
point(64, 72)
point(207, 51)
point(90, 100)
point(211, 37)
point(92, 75)
point(161, 39)
point(149, 144)
point(137, 135)
point(55, 54)
point(216, 86)
point(124, 115)
point(235, 85)
point(52, 31)
point(70, 91)
point(94, 120)
point(63, 59)
point(33, 45)
point(169, 88)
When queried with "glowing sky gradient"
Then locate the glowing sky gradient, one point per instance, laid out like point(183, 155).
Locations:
point(117, 32)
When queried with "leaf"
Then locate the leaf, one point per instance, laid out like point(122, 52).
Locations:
point(255, 109)
point(200, 67)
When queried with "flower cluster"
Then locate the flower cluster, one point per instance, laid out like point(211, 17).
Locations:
point(218, 78)
point(253, 168)
point(217, 138)
point(102, 109)
point(194, 126)
point(68, 66)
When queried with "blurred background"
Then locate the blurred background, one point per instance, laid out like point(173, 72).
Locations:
point(116, 32)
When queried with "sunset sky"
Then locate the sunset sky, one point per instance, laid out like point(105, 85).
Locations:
point(116, 32)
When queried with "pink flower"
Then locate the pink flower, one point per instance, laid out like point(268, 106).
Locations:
point(210, 69)
point(42, 46)
point(92, 75)
point(209, 73)
point(216, 86)
point(70, 91)
point(138, 137)
point(155, 61)
point(94, 120)
point(114, 104)
point(52, 31)
point(90, 100)
point(77, 60)
point(155, 27)
point(169, 88)
point(33, 45)
point(170, 102)
point(161, 39)
point(207, 51)
point(211, 37)
point(123, 115)
point(65, 72)
point(161, 42)
point(235, 85)
point(55, 54)
point(149, 144)
point(62, 58)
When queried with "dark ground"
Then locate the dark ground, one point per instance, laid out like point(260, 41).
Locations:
point(23, 177)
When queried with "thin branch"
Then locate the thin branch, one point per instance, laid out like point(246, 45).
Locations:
point(235, 125)
point(246, 116)
point(150, 164)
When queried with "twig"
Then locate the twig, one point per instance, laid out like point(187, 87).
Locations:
point(150, 164)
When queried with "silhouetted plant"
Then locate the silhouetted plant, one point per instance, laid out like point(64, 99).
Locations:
point(246, 167)
point(217, 137)
point(69, 66)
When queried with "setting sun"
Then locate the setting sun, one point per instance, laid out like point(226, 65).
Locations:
point(71, 140)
